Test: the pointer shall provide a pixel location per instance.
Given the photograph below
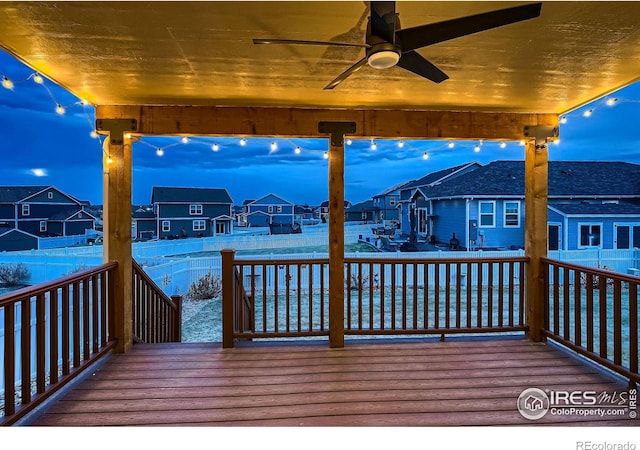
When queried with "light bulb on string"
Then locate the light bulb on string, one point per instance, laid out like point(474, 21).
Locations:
point(451, 145)
point(94, 134)
point(425, 155)
point(7, 83)
point(326, 155)
point(401, 144)
point(563, 119)
point(37, 78)
point(612, 101)
point(297, 150)
point(274, 146)
point(503, 144)
point(349, 142)
point(215, 147)
point(476, 148)
point(59, 109)
point(374, 146)
point(185, 140)
point(159, 152)
point(243, 142)
point(588, 113)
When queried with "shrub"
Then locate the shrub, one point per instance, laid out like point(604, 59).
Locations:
point(14, 274)
point(209, 286)
point(356, 281)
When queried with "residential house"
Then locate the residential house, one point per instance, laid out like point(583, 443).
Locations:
point(591, 205)
point(364, 212)
point(322, 211)
point(388, 203)
point(28, 213)
point(143, 222)
point(413, 202)
point(269, 209)
point(594, 224)
point(191, 212)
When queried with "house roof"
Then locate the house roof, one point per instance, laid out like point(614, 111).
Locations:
point(566, 179)
point(194, 53)
point(140, 212)
point(593, 209)
point(162, 194)
point(68, 214)
point(366, 205)
point(13, 194)
point(434, 177)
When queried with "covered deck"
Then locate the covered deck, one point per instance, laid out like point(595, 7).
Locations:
point(184, 76)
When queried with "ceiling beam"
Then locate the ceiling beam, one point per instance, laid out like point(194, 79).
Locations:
point(303, 122)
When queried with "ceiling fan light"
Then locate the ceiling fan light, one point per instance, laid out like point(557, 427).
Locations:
point(383, 59)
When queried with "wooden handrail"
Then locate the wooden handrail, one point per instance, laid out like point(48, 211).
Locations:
point(156, 316)
point(33, 291)
point(82, 304)
point(581, 298)
point(289, 298)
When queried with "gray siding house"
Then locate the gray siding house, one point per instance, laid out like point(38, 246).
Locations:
point(183, 212)
point(39, 212)
point(591, 205)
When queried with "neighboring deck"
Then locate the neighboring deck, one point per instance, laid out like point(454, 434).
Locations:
point(386, 383)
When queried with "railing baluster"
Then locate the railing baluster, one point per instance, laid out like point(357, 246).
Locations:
point(617, 322)
point(53, 336)
point(393, 295)
point(41, 348)
point(577, 313)
point(500, 294)
point(436, 296)
point(95, 315)
point(382, 295)
point(66, 338)
point(602, 313)
point(25, 343)
point(309, 313)
point(86, 338)
point(633, 327)
point(566, 314)
point(479, 289)
point(9, 359)
point(458, 288)
point(425, 302)
point(360, 287)
point(287, 298)
point(415, 295)
point(589, 288)
point(469, 294)
point(76, 324)
point(447, 296)
point(511, 275)
point(371, 293)
point(404, 296)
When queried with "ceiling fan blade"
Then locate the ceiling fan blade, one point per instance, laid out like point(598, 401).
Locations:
point(415, 63)
point(383, 20)
point(344, 75)
point(421, 36)
point(297, 42)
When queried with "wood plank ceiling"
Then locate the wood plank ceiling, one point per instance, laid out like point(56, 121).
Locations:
point(201, 53)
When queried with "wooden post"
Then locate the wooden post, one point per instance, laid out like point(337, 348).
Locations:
point(336, 227)
point(117, 236)
point(177, 300)
point(536, 196)
point(228, 297)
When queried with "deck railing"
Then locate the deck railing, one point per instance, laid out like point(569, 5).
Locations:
point(593, 312)
point(289, 298)
point(51, 333)
point(156, 317)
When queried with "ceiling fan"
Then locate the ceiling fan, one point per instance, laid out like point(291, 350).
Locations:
point(388, 45)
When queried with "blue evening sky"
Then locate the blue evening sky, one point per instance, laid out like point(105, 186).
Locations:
point(40, 147)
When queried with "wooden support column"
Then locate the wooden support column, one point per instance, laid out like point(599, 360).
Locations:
point(336, 227)
point(117, 225)
point(536, 196)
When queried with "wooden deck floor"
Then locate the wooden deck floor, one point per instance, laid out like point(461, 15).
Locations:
point(473, 382)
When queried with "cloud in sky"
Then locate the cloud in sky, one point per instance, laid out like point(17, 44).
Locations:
point(33, 136)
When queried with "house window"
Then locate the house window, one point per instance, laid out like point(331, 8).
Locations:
point(43, 226)
point(26, 210)
point(488, 214)
point(279, 208)
point(195, 210)
point(220, 228)
point(49, 195)
point(590, 235)
point(199, 225)
point(270, 208)
point(166, 225)
point(392, 202)
point(512, 214)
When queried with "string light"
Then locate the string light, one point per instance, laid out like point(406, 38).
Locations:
point(563, 119)
point(326, 155)
point(60, 109)
point(215, 147)
point(425, 155)
point(94, 134)
point(159, 152)
point(37, 78)
point(243, 142)
point(297, 150)
point(274, 146)
point(451, 145)
point(349, 142)
point(185, 140)
point(588, 113)
point(476, 148)
point(503, 144)
point(611, 101)
point(7, 83)
point(401, 144)
point(374, 145)
point(109, 160)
